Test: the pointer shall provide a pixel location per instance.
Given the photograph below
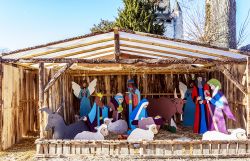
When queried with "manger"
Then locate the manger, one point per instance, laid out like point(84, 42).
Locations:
point(133, 77)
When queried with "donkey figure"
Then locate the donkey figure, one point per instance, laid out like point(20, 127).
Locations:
point(60, 129)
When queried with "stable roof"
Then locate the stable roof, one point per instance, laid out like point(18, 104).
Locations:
point(118, 47)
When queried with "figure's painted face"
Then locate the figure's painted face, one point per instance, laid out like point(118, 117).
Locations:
point(120, 100)
point(104, 132)
point(212, 86)
point(145, 105)
point(84, 84)
point(154, 129)
point(199, 79)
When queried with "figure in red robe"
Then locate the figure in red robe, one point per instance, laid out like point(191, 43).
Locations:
point(202, 118)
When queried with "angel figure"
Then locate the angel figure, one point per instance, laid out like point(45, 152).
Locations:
point(83, 94)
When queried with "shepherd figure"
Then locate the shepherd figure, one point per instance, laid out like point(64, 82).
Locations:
point(220, 103)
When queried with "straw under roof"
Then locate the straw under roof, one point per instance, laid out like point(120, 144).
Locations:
point(121, 47)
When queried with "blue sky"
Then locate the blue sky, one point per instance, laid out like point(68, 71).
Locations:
point(32, 22)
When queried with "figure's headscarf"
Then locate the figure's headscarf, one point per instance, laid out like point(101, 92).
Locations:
point(117, 97)
point(139, 110)
point(214, 82)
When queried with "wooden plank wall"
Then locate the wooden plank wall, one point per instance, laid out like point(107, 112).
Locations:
point(20, 96)
point(150, 86)
point(19, 114)
point(236, 99)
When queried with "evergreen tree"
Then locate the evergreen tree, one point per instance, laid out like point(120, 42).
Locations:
point(103, 26)
point(139, 15)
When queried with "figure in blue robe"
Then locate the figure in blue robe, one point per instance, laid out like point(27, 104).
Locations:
point(132, 98)
point(85, 106)
point(97, 114)
point(138, 113)
point(189, 109)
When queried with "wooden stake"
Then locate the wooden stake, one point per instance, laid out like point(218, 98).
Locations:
point(41, 98)
point(248, 96)
point(56, 76)
point(1, 104)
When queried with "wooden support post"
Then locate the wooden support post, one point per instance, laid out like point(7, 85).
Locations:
point(41, 98)
point(56, 76)
point(117, 44)
point(1, 105)
point(232, 78)
point(107, 86)
point(248, 96)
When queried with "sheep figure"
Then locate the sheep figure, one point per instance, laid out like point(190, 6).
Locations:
point(102, 131)
point(117, 127)
point(236, 134)
point(141, 134)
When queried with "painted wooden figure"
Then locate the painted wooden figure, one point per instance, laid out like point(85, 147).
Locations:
point(84, 94)
point(132, 98)
point(115, 106)
point(221, 107)
point(189, 107)
point(202, 115)
point(97, 114)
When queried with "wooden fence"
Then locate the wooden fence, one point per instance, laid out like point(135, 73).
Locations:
point(142, 149)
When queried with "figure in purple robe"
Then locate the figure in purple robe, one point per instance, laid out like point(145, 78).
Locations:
point(220, 103)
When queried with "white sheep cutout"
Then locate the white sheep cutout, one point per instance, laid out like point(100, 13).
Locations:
point(102, 131)
point(141, 134)
point(236, 134)
point(117, 127)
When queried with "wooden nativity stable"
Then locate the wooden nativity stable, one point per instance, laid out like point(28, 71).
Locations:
point(41, 76)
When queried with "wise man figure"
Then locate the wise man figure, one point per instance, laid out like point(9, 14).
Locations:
point(115, 106)
point(220, 103)
point(202, 117)
point(132, 98)
point(97, 114)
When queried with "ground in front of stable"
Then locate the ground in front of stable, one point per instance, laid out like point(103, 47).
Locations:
point(25, 149)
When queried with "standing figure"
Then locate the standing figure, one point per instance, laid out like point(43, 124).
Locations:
point(97, 114)
point(189, 107)
point(115, 106)
point(219, 101)
point(139, 112)
point(202, 114)
point(83, 94)
point(132, 98)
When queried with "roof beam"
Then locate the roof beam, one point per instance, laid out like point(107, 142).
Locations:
point(126, 61)
point(117, 44)
point(232, 78)
point(56, 76)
